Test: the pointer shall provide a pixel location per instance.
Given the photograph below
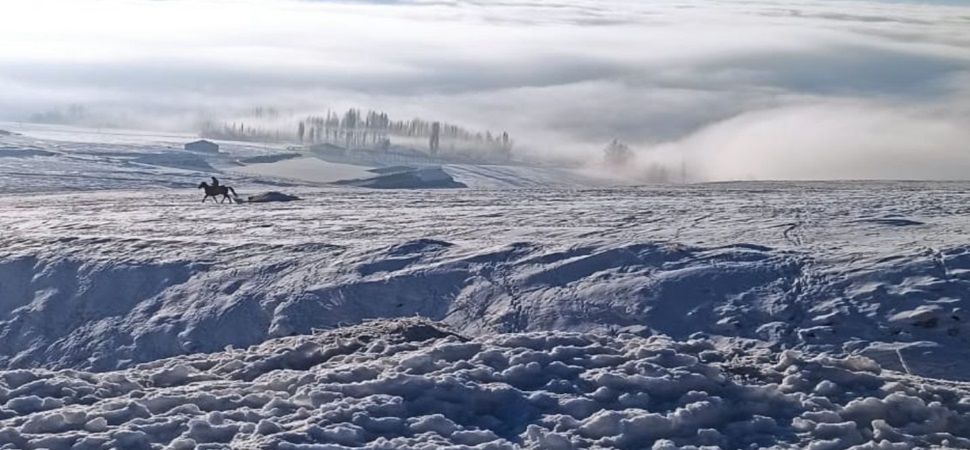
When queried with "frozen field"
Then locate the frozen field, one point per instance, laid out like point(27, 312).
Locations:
point(733, 315)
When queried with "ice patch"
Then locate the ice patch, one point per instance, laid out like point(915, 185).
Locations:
point(420, 178)
point(14, 152)
point(892, 222)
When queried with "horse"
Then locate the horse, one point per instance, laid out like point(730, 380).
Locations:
point(214, 191)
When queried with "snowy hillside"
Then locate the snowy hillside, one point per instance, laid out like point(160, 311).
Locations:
point(787, 314)
point(411, 384)
point(45, 158)
point(66, 160)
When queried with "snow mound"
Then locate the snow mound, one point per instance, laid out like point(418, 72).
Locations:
point(421, 178)
point(272, 196)
point(415, 384)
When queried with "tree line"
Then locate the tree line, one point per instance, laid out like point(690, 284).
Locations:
point(619, 157)
point(373, 130)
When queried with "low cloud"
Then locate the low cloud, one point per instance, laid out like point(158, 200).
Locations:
point(821, 140)
point(795, 89)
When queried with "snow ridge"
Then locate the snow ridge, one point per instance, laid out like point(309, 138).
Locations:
point(100, 313)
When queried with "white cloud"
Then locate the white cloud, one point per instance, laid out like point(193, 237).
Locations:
point(563, 76)
point(828, 140)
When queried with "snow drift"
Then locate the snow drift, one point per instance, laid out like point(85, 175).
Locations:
point(414, 384)
point(104, 314)
point(272, 196)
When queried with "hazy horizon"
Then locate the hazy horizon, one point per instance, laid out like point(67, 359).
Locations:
point(784, 90)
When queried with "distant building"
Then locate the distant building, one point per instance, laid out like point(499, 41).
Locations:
point(202, 146)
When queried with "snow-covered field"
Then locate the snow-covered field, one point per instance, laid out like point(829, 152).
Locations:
point(735, 315)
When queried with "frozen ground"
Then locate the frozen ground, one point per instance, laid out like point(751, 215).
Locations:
point(410, 384)
point(107, 263)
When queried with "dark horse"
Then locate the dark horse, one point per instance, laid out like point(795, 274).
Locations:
point(217, 190)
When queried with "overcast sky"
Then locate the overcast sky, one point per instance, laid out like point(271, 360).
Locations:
point(740, 89)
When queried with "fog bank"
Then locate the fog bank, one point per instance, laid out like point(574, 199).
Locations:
point(736, 90)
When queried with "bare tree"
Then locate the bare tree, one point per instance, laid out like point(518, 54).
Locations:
point(617, 154)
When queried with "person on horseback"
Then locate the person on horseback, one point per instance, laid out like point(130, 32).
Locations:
point(216, 190)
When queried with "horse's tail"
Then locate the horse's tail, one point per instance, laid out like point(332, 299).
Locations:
point(232, 190)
